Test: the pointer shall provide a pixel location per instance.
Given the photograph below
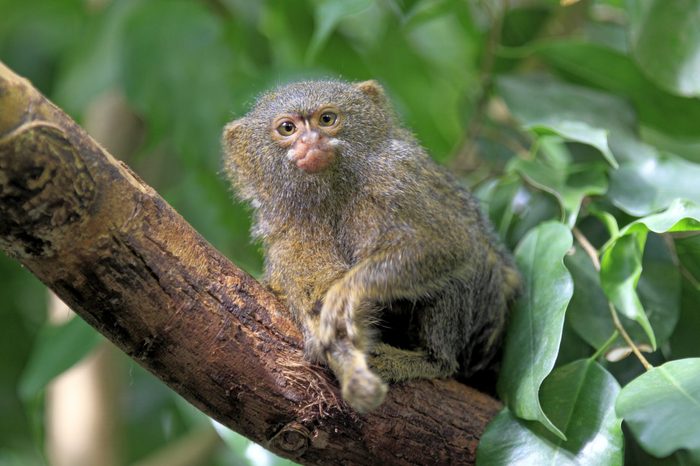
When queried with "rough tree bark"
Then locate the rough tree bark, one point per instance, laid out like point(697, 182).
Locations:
point(129, 265)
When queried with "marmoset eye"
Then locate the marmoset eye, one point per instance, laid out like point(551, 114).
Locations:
point(327, 119)
point(286, 128)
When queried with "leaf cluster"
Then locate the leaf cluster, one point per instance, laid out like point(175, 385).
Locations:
point(601, 202)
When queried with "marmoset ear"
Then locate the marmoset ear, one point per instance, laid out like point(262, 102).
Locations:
point(232, 130)
point(236, 142)
point(373, 90)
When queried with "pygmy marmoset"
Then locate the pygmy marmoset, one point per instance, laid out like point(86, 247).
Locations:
point(385, 262)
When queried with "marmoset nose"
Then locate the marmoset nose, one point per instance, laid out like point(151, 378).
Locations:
point(309, 137)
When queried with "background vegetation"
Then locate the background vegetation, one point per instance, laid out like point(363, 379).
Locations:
point(576, 123)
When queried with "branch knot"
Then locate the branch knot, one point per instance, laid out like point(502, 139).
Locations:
point(293, 438)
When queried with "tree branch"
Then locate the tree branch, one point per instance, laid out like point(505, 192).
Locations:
point(129, 265)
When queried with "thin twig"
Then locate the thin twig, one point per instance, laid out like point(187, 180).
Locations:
point(626, 337)
point(689, 276)
point(593, 254)
point(588, 247)
point(669, 240)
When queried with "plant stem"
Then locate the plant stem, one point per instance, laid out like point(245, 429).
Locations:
point(593, 254)
point(626, 337)
point(588, 247)
point(604, 347)
point(689, 276)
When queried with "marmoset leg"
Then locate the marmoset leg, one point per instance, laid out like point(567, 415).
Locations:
point(396, 364)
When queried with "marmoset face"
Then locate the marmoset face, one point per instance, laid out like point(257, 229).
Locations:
point(309, 137)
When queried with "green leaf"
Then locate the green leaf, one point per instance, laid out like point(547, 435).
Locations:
point(645, 187)
point(535, 328)
point(688, 250)
point(531, 208)
point(658, 290)
point(328, 14)
point(687, 147)
point(665, 41)
point(579, 397)
point(497, 200)
point(575, 113)
point(620, 269)
point(572, 346)
point(681, 215)
point(684, 341)
point(613, 71)
point(442, 42)
point(569, 184)
point(621, 265)
point(607, 219)
point(588, 311)
point(636, 456)
point(662, 408)
point(365, 29)
point(56, 349)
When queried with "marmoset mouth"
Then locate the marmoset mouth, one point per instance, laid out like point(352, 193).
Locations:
point(316, 160)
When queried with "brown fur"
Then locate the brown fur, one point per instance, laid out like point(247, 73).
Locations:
point(384, 260)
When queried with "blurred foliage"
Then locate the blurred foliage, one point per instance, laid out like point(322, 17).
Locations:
point(573, 124)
